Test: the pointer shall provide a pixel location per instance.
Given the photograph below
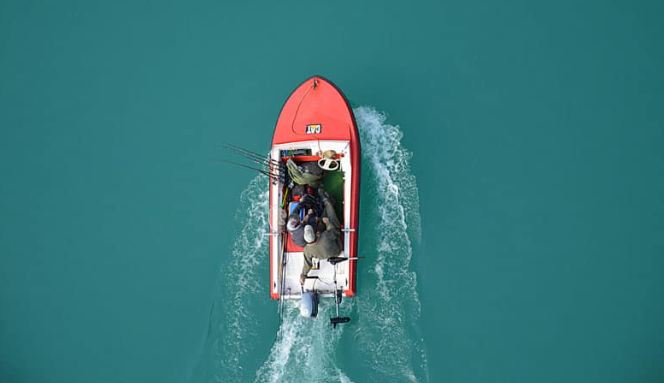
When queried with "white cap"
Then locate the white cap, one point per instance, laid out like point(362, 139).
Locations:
point(292, 224)
point(309, 234)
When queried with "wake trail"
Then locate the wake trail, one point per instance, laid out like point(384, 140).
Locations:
point(236, 337)
point(388, 334)
point(305, 349)
point(383, 336)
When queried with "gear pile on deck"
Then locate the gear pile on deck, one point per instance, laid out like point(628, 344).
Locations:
point(314, 169)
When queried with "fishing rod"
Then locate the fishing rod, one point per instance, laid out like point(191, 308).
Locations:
point(241, 149)
point(283, 260)
point(270, 163)
point(261, 161)
point(265, 160)
point(273, 176)
point(283, 283)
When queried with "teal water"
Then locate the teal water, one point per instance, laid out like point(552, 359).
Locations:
point(512, 191)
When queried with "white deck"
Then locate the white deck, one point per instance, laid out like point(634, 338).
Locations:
point(324, 284)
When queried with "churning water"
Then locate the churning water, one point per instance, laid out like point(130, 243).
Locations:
point(383, 337)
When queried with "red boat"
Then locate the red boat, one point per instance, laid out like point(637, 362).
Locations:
point(316, 124)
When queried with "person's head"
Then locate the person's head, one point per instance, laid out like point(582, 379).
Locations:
point(292, 223)
point(309, 234)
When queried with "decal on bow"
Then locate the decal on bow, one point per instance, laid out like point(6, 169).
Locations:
point(313, 129)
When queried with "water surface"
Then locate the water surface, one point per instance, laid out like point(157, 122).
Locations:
point(535, 131)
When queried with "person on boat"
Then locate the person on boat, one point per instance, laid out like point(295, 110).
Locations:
point(298, 228)
point(326, 243)
point(306, 173)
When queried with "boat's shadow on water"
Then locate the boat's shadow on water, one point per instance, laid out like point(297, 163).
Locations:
point(382, 342)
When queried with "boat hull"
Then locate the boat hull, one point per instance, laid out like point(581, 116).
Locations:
point(316, 117)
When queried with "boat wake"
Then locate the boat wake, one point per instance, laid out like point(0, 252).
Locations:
point(388, 306)
point(305, 350)
point(382, 342)
point(235, 317)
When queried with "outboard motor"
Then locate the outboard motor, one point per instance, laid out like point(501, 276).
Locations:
point(309, 304)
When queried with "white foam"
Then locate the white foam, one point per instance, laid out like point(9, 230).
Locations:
point(305, 349)
point(242, 280)
point(391, 309)
point(386, 309)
